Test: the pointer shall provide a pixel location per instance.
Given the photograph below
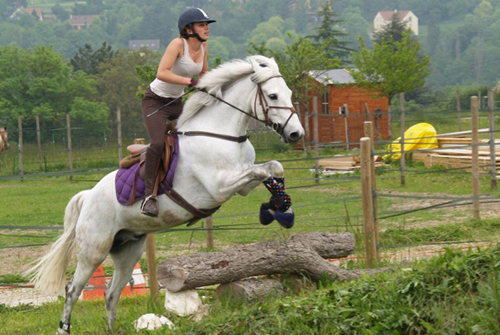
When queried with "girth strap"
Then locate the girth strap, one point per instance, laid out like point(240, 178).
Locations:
point(198, 213)
point(238, 139)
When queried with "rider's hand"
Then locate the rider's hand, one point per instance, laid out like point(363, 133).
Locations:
point(193, 83)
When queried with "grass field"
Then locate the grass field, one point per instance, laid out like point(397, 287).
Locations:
point(403, 301)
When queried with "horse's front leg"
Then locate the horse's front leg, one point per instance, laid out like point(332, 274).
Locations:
point(272, 175)
point(244, 181)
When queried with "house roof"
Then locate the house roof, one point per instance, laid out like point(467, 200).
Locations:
point(82, 20)
point(387, 15)
point(38, 12)
point(332, 77)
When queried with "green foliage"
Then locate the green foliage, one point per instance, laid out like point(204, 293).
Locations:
point(39, 82)
point(392, 67)
point(329, 36)
point(119, 80)
point(88, 60)
point(296, 62)
point(392, 32)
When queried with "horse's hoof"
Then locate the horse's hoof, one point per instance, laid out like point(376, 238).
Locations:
point(266, 214)
point(286, 219)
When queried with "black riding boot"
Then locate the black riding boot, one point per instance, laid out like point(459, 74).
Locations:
point(149, 204)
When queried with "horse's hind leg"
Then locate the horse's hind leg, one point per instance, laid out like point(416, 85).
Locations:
point(124, 256)
point(86, 266)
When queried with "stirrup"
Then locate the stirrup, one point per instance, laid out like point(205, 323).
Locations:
point(143, 205)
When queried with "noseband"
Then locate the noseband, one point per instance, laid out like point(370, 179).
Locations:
point(266, 107)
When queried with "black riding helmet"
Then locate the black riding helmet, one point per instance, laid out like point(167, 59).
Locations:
point(189, 17)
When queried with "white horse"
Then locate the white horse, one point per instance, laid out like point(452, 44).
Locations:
point(4, 143)
point(210, 171)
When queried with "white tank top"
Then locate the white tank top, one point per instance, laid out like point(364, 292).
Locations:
point(183, 66)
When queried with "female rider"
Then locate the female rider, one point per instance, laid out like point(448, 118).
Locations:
point(184, 58)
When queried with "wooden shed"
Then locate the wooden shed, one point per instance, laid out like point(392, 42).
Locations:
point(342, 109)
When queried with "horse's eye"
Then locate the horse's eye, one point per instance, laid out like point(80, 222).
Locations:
point(273, 96)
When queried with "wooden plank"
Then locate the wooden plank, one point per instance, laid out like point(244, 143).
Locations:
point(463, 133)
point(458, 152)
point(452, 161)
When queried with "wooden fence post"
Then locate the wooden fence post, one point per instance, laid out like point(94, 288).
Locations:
point(459, 112)
point(154, 289)
point(307, 137)
point(20, 147)
point(119, 132)
point(346, 124)
point(316, 138)
point(39, 141)
point(475, 157)
point(210, 232)
point(367, 196)
point(402, 165)
point(70, 150)
point(493, 160)
point(368, 131)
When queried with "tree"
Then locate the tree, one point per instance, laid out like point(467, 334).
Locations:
point(88, 60)
point(393, 31)
point(59, 11)
point(39, 82)
point(329, 35)
point(391, 67)
point(118, 82)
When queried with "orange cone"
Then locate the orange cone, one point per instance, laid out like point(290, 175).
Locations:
point(137, 284)
point(96, 285)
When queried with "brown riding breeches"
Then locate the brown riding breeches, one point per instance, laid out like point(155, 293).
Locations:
point(156, 125)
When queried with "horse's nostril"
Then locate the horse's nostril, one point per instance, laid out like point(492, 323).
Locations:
point(295, 136)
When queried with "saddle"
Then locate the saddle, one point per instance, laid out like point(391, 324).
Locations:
point(138, 155)
point(135, 162)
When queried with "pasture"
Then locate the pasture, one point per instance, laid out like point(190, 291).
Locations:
point(404, 301)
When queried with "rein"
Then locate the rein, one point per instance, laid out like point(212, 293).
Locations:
point(261, 98)
point(238, 139)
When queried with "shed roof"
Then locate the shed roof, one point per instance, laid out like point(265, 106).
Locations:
point(332, 77)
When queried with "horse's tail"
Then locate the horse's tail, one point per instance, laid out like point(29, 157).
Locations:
point(49, 274)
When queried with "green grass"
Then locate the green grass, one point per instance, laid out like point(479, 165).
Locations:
point(455, 293)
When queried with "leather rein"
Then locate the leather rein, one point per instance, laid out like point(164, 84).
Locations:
point(259, 98)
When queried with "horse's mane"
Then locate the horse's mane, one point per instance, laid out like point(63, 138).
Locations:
point(219, 79)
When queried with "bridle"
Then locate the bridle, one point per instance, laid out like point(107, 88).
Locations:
point(261, 99)
point(266, 107)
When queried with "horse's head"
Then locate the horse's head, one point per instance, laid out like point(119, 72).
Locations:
point(4, 138)
point(273, 100)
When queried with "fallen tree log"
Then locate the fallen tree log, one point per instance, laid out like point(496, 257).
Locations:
point(303, 253)
point(251, 288)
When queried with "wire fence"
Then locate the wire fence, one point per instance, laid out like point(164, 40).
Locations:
point(43, 159)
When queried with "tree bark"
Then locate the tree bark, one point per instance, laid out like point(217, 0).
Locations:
point(251, 288)
point(303, 253)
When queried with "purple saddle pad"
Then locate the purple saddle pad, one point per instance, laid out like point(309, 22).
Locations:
point(124, 180)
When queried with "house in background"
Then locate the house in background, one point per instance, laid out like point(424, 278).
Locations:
point(81, 21)
point(148, 44)
point(343, 106)
point(31, 11)
point(406, 16)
